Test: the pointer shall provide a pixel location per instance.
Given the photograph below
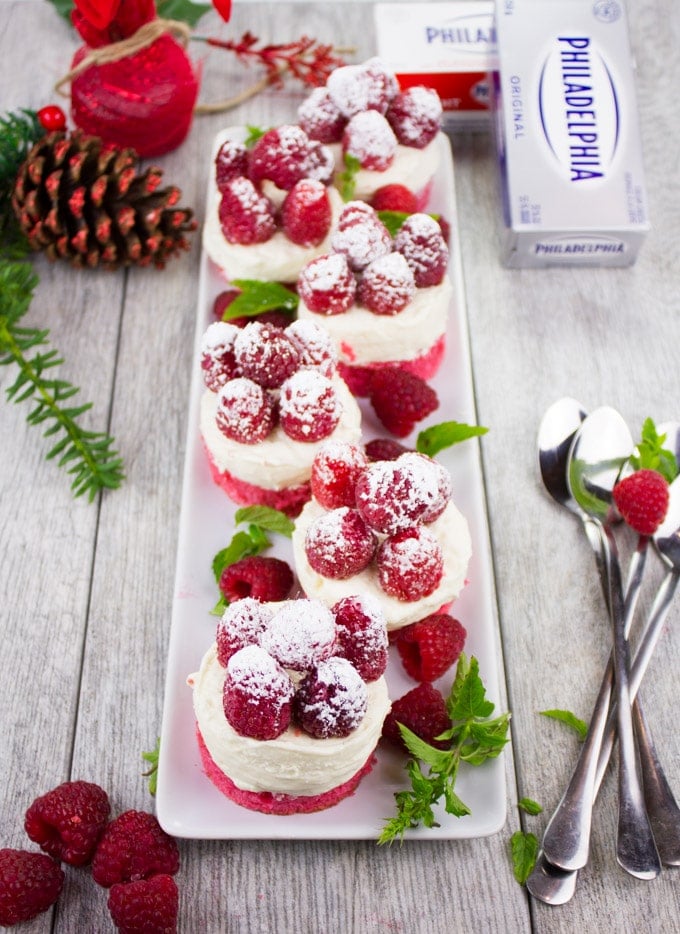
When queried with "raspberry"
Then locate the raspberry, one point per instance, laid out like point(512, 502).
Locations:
point(276, 318)
point(320, 118)
point(362, 635)
point(309, 408)
point(306, 213)
point(285, 154)
point(362, 237)
point(29, 884)
point(394, 495)
point(264, 354)
point(147, 906)
point(384, 449)
point(415, 116)
point(335, 471)
point(246, 215)
point(258, 694)
point(218, 361)
point(245, 411)
point(134, 846)
point(395, 197)
point(423, 711)
point(432, 482)
point(421, 241)
point(387, 285)
point(354, 211)
point(410, 564)
point(222, 302)
point(429, 647)
point(230, 162)
point(314, 346)
point(68, 821)
point(384, 86)
point(339, 544)
point(326, 285)
point(400, 399)
point(331, 700)
point(368, 137)
point(357, 88)
point(242, 624)
point(258, 577)
point(642, 500)
point(300, 634)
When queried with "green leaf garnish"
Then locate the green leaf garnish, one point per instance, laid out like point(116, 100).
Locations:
point(568, 718)
point(524, 849)
point(529, 805)
point(256, 297)
point(254, 133)
point(152, 774)
point(473, 738)
point(393, 220)
point(444, 435)
point(273, 520)
point(650, 453)
point(347, 179)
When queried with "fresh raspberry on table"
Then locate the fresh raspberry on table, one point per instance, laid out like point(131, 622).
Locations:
point(362, 634)
point(257, 576)
point(306, 213)
point(218, 359)
point(339, 544)
point(429, 647)
point(320, 118)
point(642, 500)
point(265, 354)
point(314, 345)
point(422, 243)
point(395, 197)
point(327, 285)
point(369, 138)
point(246, 215)
point(230, 162)
point(423, 711)
point(309, 408)
point(29, 884)
point(241, 624)
point(147, 906)
point(415, 116)
point(245, 411)
point(410, 564)
point(331, 700)
point(387, 285)
point(361, 236)
point(400, 399)
point(286, 154)
point(134, 846)
point(384, 449)
point(335, 471)
point(67, 821)
point(258, 694)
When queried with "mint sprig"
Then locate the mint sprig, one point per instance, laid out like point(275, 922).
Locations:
point(444, 435)
point(569, 719)
point(257, 297)
point(473, 737)
point(524, 852)
point(152, 757)
point(347, 179)
point(650, 453)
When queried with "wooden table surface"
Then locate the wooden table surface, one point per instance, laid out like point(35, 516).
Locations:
point(86, 589)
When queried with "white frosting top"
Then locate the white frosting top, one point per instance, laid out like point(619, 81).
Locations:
point(411, 167)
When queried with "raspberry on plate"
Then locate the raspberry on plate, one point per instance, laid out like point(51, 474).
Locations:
point(423, 711)
point(256, 576)
point(306, 213)
point(387, 285)
point(384, 449)
point(369, 138)
point(415, 116)
point(29, 884)
point(264, 354)
point(400, 399)
point(642, 500)
point(395, 197)
point(339, 544)
point(146, 906)
point(246, 215)
point(429, 647)
point(410, 563)
point(314, 346)
point(362, 636)
point(245, 411)
point(394, 495)
point(309, 408)
point(331, 700)
point(134, 846)
point(258, 694)
point(320, 118)
point(218, 361)
point(67, 821)
point(241, 624)
point(335, 471)
point(361, 236)
point(300, 634)
point(327, 285)
point(421, 242)
point(285, 154)
point(230, 162)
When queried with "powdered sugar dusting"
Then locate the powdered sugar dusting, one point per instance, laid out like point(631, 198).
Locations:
point(332, 700)
point(370, 139)
point(217, 336)
point(240, 625)
point(300, 634)
point(257, 673)
point(362, 242)
point(314, 344)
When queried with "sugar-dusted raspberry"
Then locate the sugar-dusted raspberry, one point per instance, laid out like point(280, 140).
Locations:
point(362, 634)
point(320, 163)
point(339, 543)
point(327, 285)
point(245, 411)
point(355, 211)
point(387, 285)
point(421, 241)
point(258, 694)
point(361, 238)
point(410, 564)
point(368, 137)
point(394, 197)
point(222, 302)
point(320, 118)
point(285, 154)
point(429, 647)
point(265, 354)
point(357, 88)
point(431, 483)
point(276, 318)
point(306, 213)
point(300, 634)
point(384, 449)
point(335, 471)
point(67, 821)
point(314, 345)
point(384, 86)
point(423, 711)
point(218, 361)
point(257, 576)
point(29, 884)
point(309, 408)
point(134, 846)
point(393, 495)
point(241, 624)
point(147, 906)
point(246, 215)
point(331, 700)
point(400, 399)
point(230, 162)
point(415, 115)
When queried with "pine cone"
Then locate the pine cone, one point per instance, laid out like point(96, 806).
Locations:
point(80, 200)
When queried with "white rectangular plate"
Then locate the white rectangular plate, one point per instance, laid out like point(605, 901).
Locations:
point(188, 804)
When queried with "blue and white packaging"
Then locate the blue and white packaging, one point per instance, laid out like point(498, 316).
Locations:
point(567, 134)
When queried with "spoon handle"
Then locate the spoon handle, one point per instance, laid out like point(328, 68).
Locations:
point(662, 807)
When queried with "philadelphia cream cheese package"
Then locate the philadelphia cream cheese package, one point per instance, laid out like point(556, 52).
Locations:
point(567, 134)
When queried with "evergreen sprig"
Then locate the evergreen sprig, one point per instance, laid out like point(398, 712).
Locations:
point(87, 455)
point(18, 133)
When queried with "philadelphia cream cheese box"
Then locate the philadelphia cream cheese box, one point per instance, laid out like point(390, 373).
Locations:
point(567, 134)
point(450, 47)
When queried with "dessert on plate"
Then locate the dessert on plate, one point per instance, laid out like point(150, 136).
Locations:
point(290, 700)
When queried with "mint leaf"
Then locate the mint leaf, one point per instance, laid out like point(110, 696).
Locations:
point(347, 179)
point(650, 453)
point(152, 774)
point(273, 520)
point(393, 220)
point(444, 435)
point(242, 545)
point(257, 297)
point(437, 759)
point(529, 805)
point(524, 849)
point(254, 133)
point(469, 700)
point(570, 719)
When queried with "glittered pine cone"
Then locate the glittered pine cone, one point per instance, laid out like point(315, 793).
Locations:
point(79, 200)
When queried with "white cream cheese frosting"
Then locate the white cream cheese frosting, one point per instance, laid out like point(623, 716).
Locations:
point(411, 167)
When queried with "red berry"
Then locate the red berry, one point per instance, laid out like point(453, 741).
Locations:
point(264, 354)
point(361, 236)
point(394, 495)
point(306, 213)
point(285, 154)
point(67, 821)
point(387, 285)
point(331, 699)
point(134, 846)
point(357, 88)
point(335, 471)
point(223, 301)
point(415, 116)
point(368, 137)
point(320, 118)
point(395, 197)
point(258, 694)
point(400, 399)
point(300, 634)
point(384, 449)
point(327, 285)
point(642, 500)
point(230, 162)
point(245, 411)
point(432, 483)
point(421, 241)
point(218, 360)
point(339, 544)
point(256, 576)
point(383, 87)
point(423, 711)
point(362, 635)
point(309, 409)
point(314, 345)
point(410, 564)
point(429, 647)
point(29, 884)
point(52, 118)
point(242, 624)
point(246, 215)
point(146, 906)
